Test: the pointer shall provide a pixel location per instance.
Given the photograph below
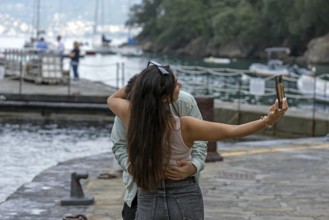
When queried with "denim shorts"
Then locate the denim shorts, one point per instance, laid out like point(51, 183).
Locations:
point(174, 200)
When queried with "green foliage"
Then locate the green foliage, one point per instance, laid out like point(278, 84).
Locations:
point(146, 16)
point(259, 23)
point(234, 20)
point(182, 21)
point(308, 17)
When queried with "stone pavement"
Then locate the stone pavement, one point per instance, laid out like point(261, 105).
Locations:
point(259, 180)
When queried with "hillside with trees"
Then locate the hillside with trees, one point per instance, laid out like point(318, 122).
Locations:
point(229, 28)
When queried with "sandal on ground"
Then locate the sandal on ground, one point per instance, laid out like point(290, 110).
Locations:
point(75, 217)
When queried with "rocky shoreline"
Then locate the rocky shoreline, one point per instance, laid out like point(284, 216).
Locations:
point(317, 50)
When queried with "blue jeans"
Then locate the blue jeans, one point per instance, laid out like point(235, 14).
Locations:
point(74, 66)
point(176, 200)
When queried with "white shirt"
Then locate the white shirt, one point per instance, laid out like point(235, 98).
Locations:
point(60, 48)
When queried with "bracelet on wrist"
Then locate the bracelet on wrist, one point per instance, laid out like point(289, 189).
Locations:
point(265, 121)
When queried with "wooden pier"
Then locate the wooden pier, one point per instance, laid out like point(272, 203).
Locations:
point(79, 101)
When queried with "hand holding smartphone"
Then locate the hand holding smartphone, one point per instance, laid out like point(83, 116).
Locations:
point(279, 87)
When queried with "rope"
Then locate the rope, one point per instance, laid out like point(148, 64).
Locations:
point(98, 65)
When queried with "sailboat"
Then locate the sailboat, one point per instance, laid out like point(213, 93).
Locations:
point(131, 47)
point(100, 43)
point(37, 34)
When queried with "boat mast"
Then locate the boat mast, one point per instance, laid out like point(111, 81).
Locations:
point(129, 28)
point(37, 22)
point(102, 23)
point(96, 17)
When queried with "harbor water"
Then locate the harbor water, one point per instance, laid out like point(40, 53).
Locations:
point(27, 149)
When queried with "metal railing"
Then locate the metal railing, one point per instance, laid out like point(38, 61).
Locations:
point(242, 86)
point(45, 67)
point(225, 84)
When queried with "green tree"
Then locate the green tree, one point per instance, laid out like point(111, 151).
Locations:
point(257, 23)
point(146, 16)
point(182, 21)
point(234, 19)
point(306, 20)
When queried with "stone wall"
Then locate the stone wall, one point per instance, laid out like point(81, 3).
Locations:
point(296, 122)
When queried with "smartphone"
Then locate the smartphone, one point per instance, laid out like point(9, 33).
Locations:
point(279, 87)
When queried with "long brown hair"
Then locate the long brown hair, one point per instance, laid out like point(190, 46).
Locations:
point(149, 126)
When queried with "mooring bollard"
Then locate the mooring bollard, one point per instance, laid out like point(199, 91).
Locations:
point(206, 106)
point(77, 196)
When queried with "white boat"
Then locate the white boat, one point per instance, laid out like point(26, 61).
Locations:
point(129, 50)
point(309, 85)
point(276, 67)
point(99, 46)
point(217, 60)
point(273, 67)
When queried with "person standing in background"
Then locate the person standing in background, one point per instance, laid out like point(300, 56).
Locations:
point(41, 44)
point(60, 46)
point(60, 49)
point(75, 56)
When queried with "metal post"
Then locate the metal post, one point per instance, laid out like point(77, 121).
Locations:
point(206, 106)
point(313, 112)
point(118, 72)
point(69, 79)
point(77, 197)
point(239, 101)
point(123, 74)
point(69, 85)
point(325, 90)
point(207, 80)
point(20, 70)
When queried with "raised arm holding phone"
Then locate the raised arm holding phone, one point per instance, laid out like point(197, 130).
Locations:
point(157, 139)
point(279, 88)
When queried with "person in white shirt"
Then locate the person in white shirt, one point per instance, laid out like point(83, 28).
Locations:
point(60, 46)
point(60, 49)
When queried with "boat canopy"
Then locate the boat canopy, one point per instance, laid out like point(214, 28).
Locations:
point(278, 49)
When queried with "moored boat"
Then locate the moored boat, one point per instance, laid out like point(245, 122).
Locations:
point(316, 86)
point(217, 60)
point(275, 66)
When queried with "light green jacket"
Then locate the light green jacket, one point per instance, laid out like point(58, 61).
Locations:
point(186, 105)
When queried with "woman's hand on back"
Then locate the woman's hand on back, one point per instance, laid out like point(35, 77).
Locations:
point(183, 170)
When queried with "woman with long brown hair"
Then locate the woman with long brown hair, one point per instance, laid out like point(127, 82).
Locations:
point(156, 139)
